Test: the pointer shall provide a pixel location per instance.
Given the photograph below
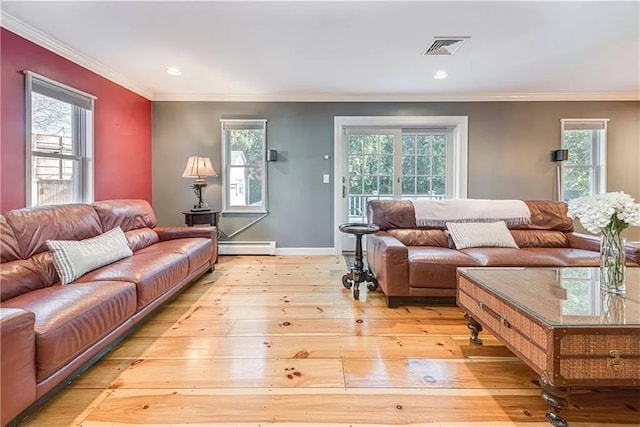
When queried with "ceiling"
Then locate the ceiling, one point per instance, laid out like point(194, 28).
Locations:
point(348, 50)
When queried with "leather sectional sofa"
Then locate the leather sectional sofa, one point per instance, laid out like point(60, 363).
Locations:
point(51, 333)
point(411, 261)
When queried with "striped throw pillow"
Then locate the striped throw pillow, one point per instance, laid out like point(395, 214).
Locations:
point(73, 258)
point(481, 235)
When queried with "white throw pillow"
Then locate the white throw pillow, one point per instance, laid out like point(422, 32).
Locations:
point(73, 258)
point(481, 235)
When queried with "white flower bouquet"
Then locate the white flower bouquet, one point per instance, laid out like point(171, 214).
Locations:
point(613, 211)
point(608, 214)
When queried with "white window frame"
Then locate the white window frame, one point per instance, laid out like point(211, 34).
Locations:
point(598, 151)
point(460, 134)
point(397, 178)
point(83, 137)
point(226, 166)
point(450, 190)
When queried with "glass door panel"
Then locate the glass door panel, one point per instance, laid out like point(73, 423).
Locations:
point(370, 160)
point(424, 165)
point(393, 164)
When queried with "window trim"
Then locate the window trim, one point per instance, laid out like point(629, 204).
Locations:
point(599, 151)
point(85, 128)
point(460, 130)
point(226, 166)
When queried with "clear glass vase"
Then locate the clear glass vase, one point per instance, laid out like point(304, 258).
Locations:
point(613, 308)
point(612, 262)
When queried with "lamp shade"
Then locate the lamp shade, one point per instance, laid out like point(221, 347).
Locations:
point(199, 167)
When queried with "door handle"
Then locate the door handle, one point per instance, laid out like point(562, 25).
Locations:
point(344, 191)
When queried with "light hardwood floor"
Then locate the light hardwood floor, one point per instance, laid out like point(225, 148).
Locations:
point(279, 341)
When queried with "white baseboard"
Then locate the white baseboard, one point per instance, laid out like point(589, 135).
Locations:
point(246, 248)
point(267, 248)
point(305, 251)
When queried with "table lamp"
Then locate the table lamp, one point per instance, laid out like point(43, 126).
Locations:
point(199, 168)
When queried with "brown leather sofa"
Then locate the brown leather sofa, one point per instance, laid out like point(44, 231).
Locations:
point(51, 333)
point(410, 261)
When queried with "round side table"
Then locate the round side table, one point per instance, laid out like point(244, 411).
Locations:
point(357, 275)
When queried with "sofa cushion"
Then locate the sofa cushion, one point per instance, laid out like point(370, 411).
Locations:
point(389, 214)
point(480, 235)
point(71, 318)
point(436, 267)
point(45, 268)
point(540, 239)
point(72, 259)
point(569, 257)
point(18, 277)
point(128, 214)
point(140, 238)
point(508, 257)
point(9, 248)
point(547, 215)
point(199, 251)
point(420, 237)
point(153, 273)
point(34, 226)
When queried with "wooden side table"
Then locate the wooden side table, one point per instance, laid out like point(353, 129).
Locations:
point(357, 274)
point(209, 217)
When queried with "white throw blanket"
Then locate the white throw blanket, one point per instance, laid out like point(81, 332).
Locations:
point(436, 213)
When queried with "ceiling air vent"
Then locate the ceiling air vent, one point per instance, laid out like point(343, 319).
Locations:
point(445, 45)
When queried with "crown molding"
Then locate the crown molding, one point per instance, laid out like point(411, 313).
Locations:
point(24, 30)
point(38, 37)
point(321, 97)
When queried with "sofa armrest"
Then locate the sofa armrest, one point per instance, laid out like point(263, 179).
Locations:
point(17, 362)
point(590, 242)
point(388, 258)
point(587, 242)
point(171, 233)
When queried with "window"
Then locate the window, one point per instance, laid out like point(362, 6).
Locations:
point(395, 157)
point(584, 173)
point(426, 165)
point(582, 291)
point(59, 143)
point(243, 153)
point(399, 164)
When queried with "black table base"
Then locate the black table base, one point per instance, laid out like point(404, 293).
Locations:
point(358, 274)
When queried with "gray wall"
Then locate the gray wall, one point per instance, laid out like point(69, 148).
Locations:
point(509, 156)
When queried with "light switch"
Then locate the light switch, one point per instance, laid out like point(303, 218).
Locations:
point(325, 178)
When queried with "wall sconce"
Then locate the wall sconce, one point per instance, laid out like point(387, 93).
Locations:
point(559, 156)
point(272, 155)
point(199, 168)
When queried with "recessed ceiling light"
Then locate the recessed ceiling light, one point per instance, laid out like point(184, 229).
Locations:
point(440, 75)
point(174, 71)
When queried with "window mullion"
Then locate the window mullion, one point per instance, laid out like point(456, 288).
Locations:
point(55, 156)
point(397, 164)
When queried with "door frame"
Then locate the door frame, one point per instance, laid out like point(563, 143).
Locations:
point(459, 124)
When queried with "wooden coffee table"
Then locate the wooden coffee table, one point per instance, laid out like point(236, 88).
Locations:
point(559, 322)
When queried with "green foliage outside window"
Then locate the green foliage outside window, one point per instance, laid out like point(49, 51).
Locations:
point(371, 167)
point(578, 170)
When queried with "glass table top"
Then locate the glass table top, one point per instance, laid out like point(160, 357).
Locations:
point(569, 296)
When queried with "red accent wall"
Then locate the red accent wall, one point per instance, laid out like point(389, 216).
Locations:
point(122, 124)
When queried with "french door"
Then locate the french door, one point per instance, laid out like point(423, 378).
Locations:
point(392, 163)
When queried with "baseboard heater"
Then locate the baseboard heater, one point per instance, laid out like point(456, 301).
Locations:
point(246, 248)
